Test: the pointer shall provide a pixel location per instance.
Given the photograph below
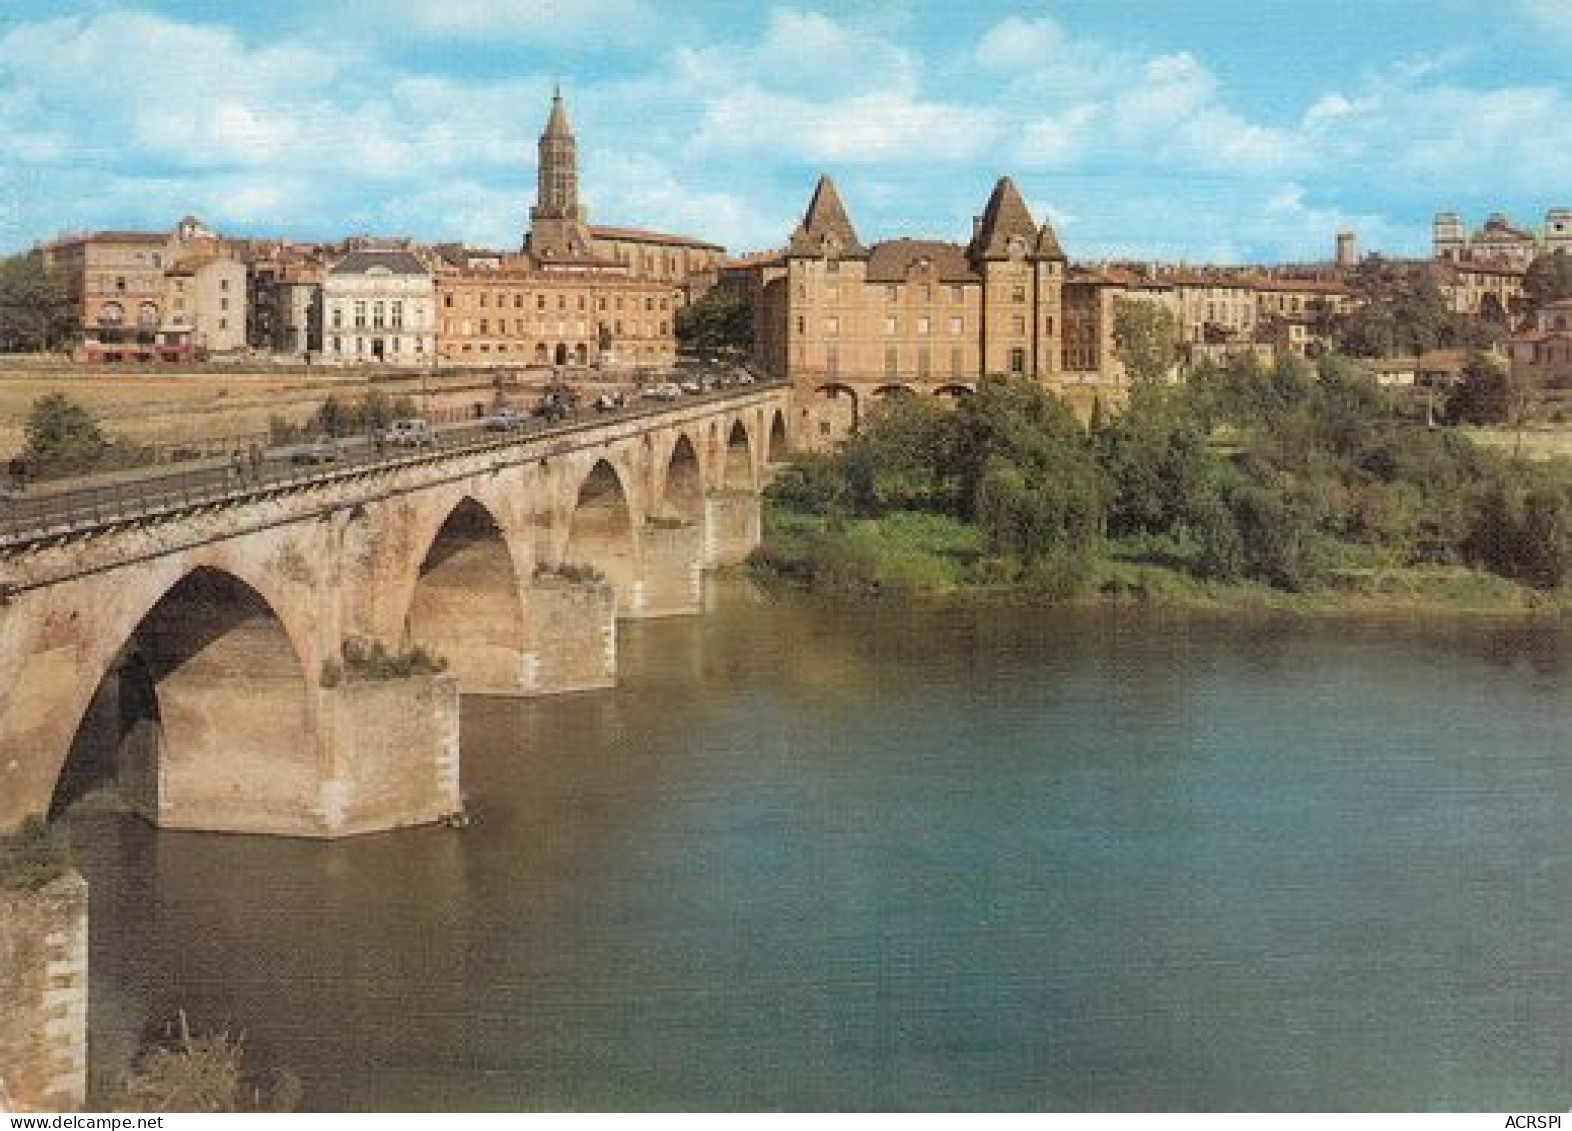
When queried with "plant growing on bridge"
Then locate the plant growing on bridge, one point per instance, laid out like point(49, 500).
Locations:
point(372, 660)
point(35, 855)
point(571, 571)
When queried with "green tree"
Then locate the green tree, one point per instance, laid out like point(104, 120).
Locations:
point(62, 436)
point(1481, 395)
point(1026, 473)
point(1157, 462)
point(1548, 278)
point(721, 319)
point(897, 458)
point(35, 312)
point(1148, 340)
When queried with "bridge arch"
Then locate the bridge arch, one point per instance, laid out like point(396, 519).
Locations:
point(737, 468)
point(467, 603)
point(601, 531)
point(682, 487)
point(186, 706)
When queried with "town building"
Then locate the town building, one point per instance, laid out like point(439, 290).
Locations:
point(152, 296)
point(849, 323)
point(1500, 241)
point(379, 308)
point(569, 298)
point(1540, 356)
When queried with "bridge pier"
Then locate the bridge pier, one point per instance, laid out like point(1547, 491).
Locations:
point(570, 636)
point(673, 570)
point(734, 522)
point(43, 996)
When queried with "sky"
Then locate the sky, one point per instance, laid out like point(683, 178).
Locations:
point(1182, 130)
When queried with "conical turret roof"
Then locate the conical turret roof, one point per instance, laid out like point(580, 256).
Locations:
point(825, 226)
point(557, 123)
point(1048, 246)
point(1005, 217)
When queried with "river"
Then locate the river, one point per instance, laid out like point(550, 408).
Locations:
point(936, 859)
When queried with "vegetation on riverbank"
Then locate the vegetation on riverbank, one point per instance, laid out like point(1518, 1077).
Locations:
point(1292, 488)
point(201, 1072)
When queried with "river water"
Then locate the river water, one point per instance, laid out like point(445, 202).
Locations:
point(991, 859)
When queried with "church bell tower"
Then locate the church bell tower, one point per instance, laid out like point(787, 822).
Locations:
point(557, 227)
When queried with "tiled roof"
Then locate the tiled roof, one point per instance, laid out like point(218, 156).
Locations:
point(398, 262)
point(642, 235)
point(1004, 217)
point(825, 220)
point(893, 260)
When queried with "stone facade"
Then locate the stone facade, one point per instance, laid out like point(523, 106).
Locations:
point(1540, 356)
point(1498, 240)
point(153, 296)
point(848, 324)
point(572, 297)
point(43, 997)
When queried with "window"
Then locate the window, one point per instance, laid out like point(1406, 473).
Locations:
point(502, 300)
point(120, 282)
point(1048, 324)
point(223, 323)
point(338, 345)
point(581, 302)
point(892, 292)
point(924, 364)
point(378, 315)
point(957, 294)
point(1017, 294)
point(338, 319)
point(801, 325)
point(223, 284)
point(924, 325)
point(832, 266)
point(482, 298)
point(485, 327)
point(397, 314)
point(832, 360)
point(223, 304)
point(891, 325)
point(447, 301)
point(1017, 361)
point(956, 365)
point(1018, 324)
point(927, 292)
point(518, 302)
point(562, 302)
point(601, 303)
point(832, 326)
point(957, 325)
point(540, 302)
point(360, 315)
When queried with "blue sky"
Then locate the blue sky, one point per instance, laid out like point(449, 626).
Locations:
point(1198, 130)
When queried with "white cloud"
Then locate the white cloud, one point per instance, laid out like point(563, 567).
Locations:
point(1018, 43)
point(1553, 15)
point(557, 23)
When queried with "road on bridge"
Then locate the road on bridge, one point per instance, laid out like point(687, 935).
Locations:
point(64, 505)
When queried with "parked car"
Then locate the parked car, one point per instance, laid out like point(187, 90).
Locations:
point(610, 402)
point(666, 391)
point(411, 432)
point(503, 420)
point(318, 449)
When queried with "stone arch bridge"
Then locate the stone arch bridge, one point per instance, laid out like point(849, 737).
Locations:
point(198, 649)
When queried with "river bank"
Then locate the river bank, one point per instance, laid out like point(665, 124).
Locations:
point(927, 558)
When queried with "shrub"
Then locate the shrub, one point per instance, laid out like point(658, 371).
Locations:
point(203, 1073)
point(35, 855)
point(372, 660)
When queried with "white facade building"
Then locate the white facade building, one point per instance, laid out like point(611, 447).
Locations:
point(379, 308)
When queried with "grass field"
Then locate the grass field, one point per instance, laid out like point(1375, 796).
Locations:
point(1537, 443)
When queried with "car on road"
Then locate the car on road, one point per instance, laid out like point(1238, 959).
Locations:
point(318, 449)
point(503, 420)
point(611, 402)
point(666, 391)
point(411, 432)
